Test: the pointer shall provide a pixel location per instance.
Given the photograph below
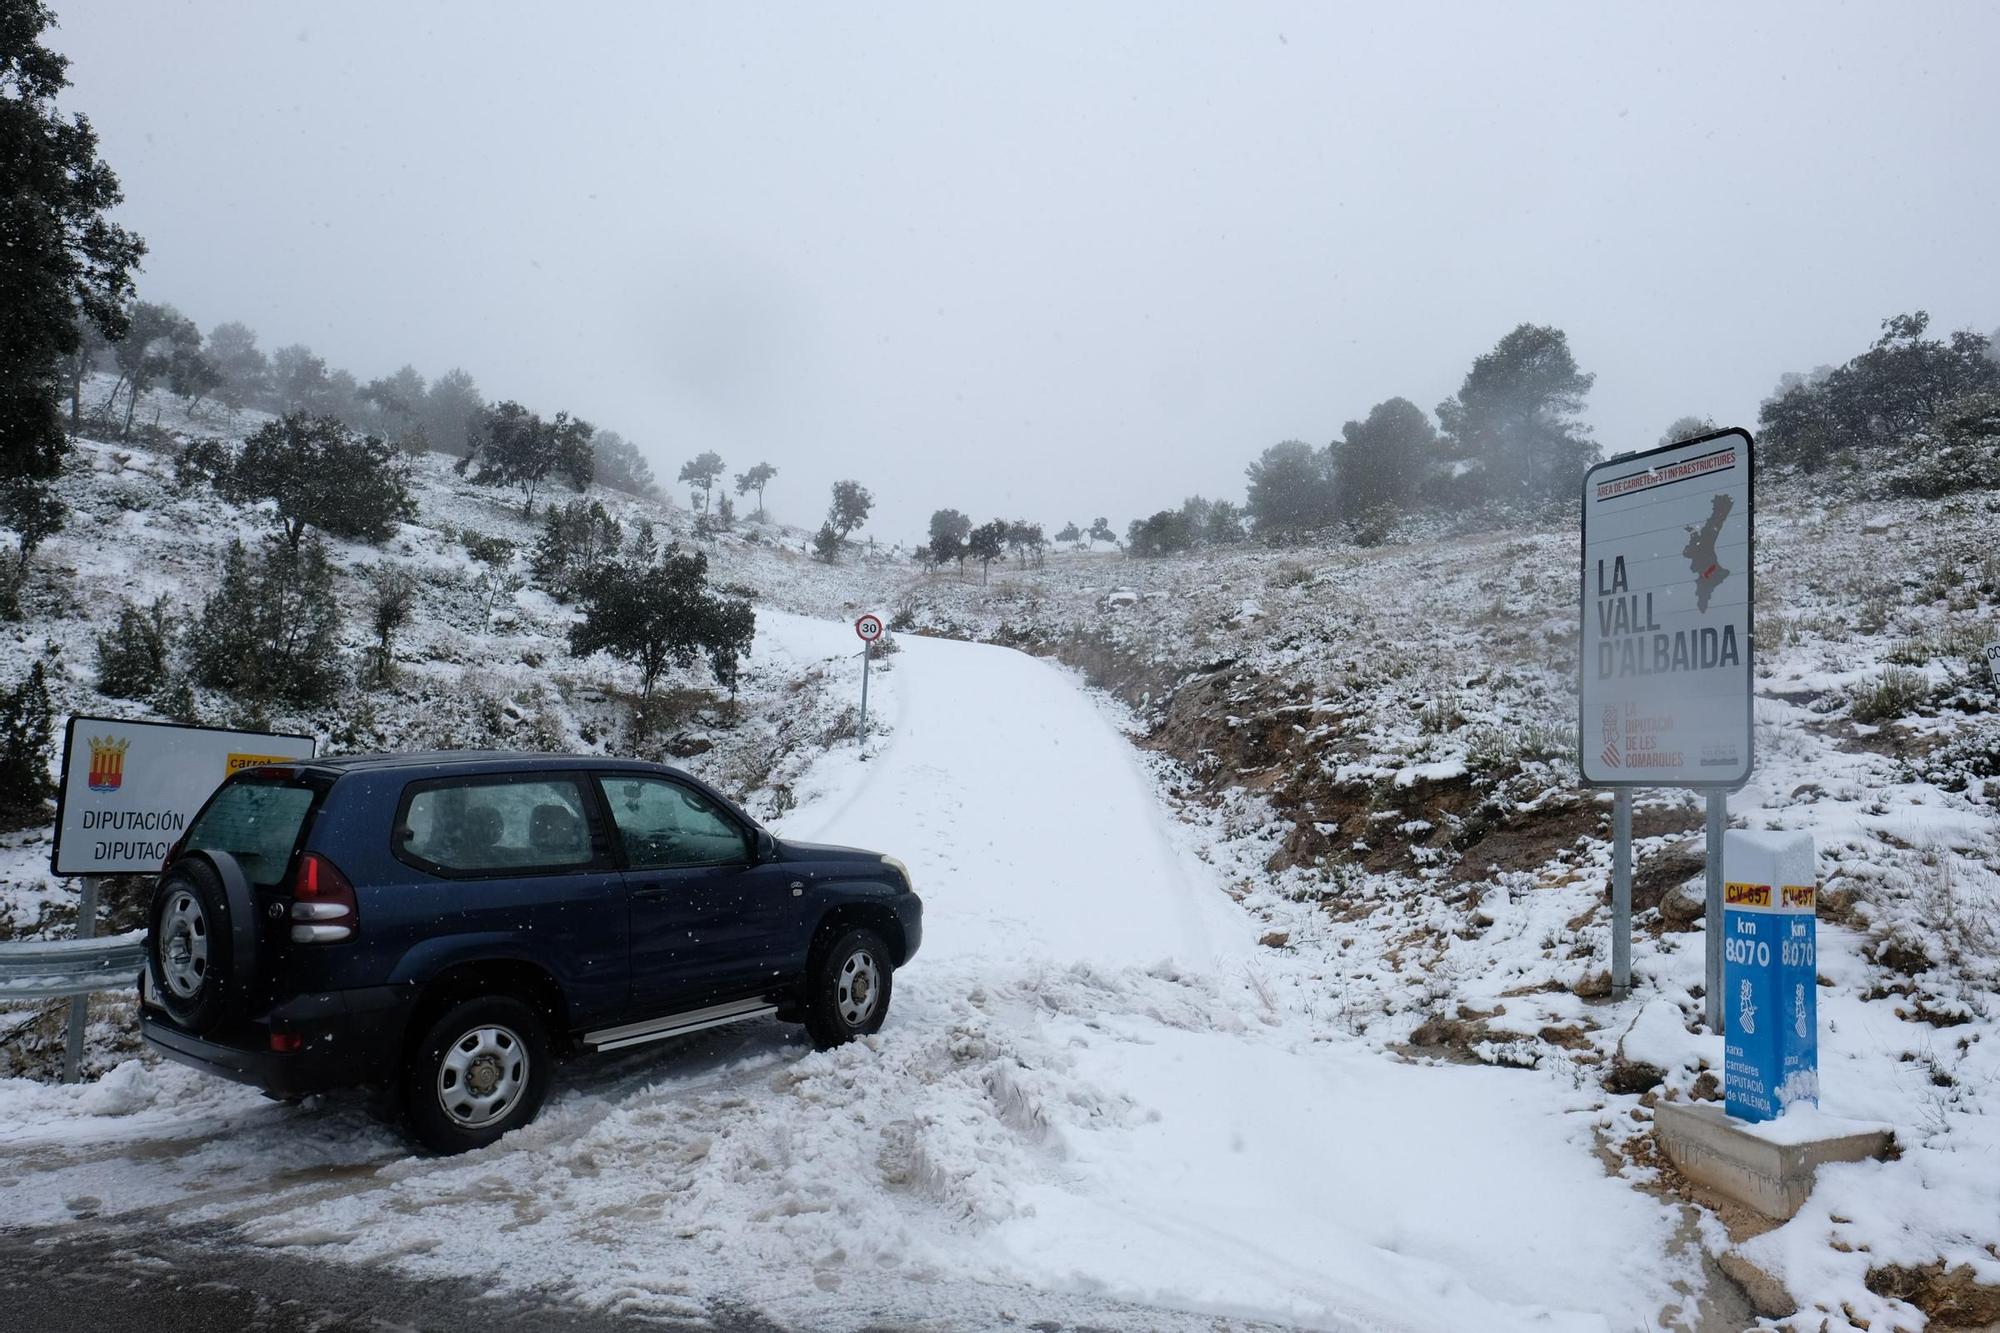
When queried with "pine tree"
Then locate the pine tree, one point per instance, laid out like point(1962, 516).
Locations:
point(232, 348)
point(270, 629)
point(63, 265)
point(452, 412)
point(756, 479)
point(1224, 524)
point(158, 344)
point(949, 529)
point(700, 473)
point(134, 659)
point(34, 511)
point(1025, 540)
point(223, 639)
point(987, 543)
point(662, 615)
point(27, 739)
point(576, 541)
point(1883, 404)
point(849, 510)
point(1517, 417)
point(325, 476)
point(1684, 428)
point(515, 447)
point(392, 603)
point(1291, 490)
point(1381, 460)
point(1169, 532)
point(619, 464)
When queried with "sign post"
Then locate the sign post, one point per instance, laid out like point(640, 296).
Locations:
point(122, 809)
point(869, 627)
point(79, 1005)
point(1621, 894)
point(1666, 655)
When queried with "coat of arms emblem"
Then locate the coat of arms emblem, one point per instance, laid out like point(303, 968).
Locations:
point(107, 762)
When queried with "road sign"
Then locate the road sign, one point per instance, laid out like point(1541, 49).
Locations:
point(129, 788)
point(869, 627)
point(1667, 590)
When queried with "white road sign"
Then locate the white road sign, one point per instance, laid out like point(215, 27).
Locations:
point(869, 627)
point(1667, 592)
point(130, 788)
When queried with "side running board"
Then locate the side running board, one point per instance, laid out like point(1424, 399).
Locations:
point(674, 1025)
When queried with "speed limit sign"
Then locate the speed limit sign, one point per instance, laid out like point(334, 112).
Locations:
point(869, 627)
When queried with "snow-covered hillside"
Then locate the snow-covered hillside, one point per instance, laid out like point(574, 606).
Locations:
point(1332, 1047)
point(485, 661)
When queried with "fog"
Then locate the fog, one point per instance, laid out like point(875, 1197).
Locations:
point(1049, 261)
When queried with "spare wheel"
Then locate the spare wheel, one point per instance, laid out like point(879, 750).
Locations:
point(201, 951)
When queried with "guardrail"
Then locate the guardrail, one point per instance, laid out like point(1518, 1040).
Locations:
point(50, 969)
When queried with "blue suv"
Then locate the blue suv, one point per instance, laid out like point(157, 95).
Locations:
point(443, 926)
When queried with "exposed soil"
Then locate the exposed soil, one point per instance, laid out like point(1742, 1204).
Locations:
point(1949, 1298)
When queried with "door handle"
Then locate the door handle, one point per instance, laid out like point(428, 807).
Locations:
point(650, 891)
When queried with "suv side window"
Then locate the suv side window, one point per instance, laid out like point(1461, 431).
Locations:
point(495, 823)
point(662, 824)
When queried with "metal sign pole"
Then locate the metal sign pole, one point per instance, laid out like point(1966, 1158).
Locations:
point(1621, 893)
point(79, 1005)
point(867, 652)
point(1718, 820)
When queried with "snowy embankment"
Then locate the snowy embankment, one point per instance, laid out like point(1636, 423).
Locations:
point(1092, 1088)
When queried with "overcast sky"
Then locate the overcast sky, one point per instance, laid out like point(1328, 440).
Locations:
point(1050, 261)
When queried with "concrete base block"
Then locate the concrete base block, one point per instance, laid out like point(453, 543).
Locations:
point(1710, 1148)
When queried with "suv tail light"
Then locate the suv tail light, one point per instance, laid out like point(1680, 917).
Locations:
point(323, 907)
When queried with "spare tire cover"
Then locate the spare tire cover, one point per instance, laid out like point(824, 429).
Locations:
point(201, 945)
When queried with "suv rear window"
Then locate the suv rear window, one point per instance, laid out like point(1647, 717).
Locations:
point(484, 824)
point(258, 823)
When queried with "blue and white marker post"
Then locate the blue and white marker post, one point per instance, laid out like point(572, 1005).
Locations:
point(869, 627)
point(1770, 974)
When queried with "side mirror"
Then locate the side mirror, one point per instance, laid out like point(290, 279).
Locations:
point(767, 847)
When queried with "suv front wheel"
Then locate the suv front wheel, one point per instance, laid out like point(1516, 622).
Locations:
point(847, 992)
point(480, 1070)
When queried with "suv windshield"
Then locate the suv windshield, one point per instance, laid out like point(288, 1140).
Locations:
point(258, 823)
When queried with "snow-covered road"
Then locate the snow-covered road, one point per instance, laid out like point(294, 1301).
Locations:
point(1091, 1090)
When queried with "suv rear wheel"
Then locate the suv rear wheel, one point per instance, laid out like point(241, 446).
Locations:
point(847, 990)
point(480, 1070)
point(195, 950)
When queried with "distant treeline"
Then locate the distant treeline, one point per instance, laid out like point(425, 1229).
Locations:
point(163, 350)
point(1910, 415)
